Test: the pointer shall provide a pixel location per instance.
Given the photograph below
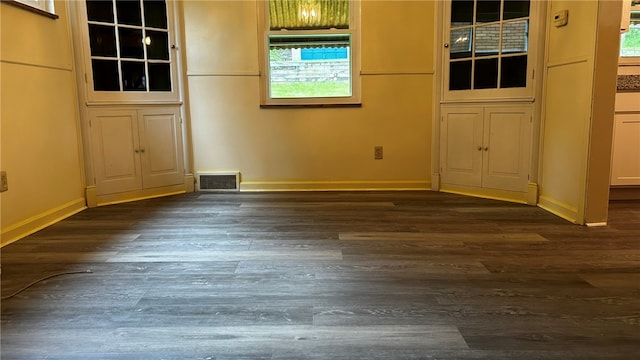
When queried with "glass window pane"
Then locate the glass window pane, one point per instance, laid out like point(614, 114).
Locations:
point(133, 76)
point(131, 45)
point(105, 75)
point(461, 40)
point(630, 41)
point(514, 9)
point(460, 75)
point(461, 12)
point(487, 40)
point(293, 77)
point(100, 10)
point(155, 14)
point(487, 11)
point(157, 45)
point(513, 72)
point(129, 12)
point(515, 36)
point(102, 40)
point(159, 77)
point(486, 74)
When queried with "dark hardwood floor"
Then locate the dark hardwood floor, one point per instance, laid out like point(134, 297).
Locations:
point(337, 275)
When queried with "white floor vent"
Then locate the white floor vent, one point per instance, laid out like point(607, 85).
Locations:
point(218, 181)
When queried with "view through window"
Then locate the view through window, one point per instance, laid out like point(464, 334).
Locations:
point(310, 52)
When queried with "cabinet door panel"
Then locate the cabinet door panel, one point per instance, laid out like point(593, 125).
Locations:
point(161, 135)
point(114, 138)
point(461, 139)
point(506, 149)
point(625, 166)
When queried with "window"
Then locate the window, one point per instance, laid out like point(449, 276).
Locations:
point(129, 43)
point(43, 7)
point(310, 52)
point(630, 38)
point(487, 48)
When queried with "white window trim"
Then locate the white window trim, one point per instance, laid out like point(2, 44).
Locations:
point(130, 97)
point(263, 54)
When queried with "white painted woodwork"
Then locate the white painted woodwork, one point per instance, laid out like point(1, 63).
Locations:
point(161, 141)
point(487, 147)
point(506, 148)
point(462, 146)
point(625, 168)
point(114, 139)
point(136, 149)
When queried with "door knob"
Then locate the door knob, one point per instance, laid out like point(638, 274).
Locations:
point(446, 45)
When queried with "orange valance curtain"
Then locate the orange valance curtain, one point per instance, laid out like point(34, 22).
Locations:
point(308, 14)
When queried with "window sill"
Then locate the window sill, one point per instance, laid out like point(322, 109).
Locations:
point(31, 9)
point(629, 61)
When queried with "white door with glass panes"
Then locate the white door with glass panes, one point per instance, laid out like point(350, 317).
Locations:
point(132, 97)
point(487, 49)
point(131, 50)
point(489, 57)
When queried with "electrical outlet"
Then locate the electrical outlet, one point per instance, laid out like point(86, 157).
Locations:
point(377, 153)
point(4, 185)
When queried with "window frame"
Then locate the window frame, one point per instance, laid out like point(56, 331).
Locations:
point(628, 60)
point(122, 96)
point(511, 93)
point(41, 7)
point(354, 52)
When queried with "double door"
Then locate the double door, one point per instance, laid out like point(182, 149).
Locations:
point(486, 147)
point(136, 149)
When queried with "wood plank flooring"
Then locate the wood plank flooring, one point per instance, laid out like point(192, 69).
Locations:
point(324, 275)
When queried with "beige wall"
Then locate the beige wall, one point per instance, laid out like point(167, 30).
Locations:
point(40, 143)
point(578, 111)
point(312, 148)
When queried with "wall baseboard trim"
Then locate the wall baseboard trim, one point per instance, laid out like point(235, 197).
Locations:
point(334, 185)
point(40, 221)
point(129, 196)
point(559, 208)
point(501, 195)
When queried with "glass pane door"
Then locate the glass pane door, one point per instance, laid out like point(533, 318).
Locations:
point(488, 44)
point(129, 44)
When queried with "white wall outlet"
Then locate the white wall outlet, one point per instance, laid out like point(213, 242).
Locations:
point(4, 184)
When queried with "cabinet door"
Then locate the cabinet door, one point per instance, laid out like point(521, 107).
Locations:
point(506, 148)
point(161, 147)
point(461, 146)
point(115, 148)
point(625, 165)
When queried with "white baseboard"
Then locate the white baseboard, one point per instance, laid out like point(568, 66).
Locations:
point(559, 208)
point(333, 185)
point(40, 221)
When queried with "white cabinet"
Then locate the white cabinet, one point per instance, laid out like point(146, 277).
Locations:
point(136, 149)
point(625, 164)
point(486, 147)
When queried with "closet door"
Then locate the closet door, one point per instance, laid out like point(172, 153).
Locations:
point(161, 147)
point(461, 146)
point(506, 148)
point(116, 150)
